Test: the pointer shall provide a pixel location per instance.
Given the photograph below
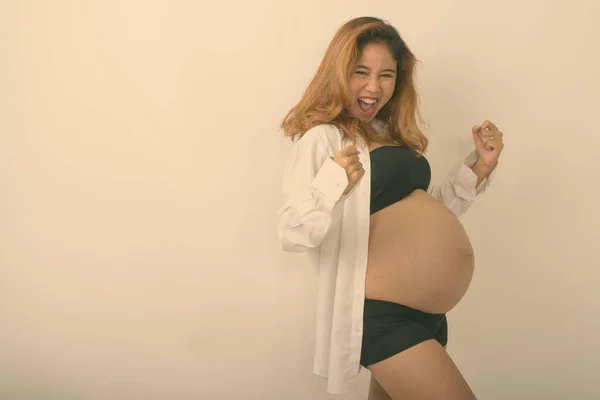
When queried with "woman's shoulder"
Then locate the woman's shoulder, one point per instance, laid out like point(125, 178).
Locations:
point(325, 131)
point(326, 134)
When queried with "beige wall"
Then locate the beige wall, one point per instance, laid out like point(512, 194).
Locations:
point(140, 171)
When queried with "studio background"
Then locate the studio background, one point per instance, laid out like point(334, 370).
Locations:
point(140, 174)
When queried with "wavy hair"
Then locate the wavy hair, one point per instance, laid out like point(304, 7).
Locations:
point(327, 95)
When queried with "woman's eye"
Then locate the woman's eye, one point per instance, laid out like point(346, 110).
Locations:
point(364, 73)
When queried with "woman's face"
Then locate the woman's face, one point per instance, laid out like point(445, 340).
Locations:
point(372, 82)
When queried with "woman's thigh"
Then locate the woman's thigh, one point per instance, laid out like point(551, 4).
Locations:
point(376, 392)
point(422, 372)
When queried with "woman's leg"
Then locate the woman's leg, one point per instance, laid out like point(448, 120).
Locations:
point(376, 392)
point(422, 372)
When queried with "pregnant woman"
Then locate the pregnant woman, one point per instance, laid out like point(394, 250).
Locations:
point(391, 255)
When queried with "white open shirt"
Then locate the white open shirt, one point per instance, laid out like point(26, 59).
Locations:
point(333, 229)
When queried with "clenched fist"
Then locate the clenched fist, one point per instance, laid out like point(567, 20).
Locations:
point(348, 159)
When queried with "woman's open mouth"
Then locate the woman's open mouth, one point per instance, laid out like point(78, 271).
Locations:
point(366, 104)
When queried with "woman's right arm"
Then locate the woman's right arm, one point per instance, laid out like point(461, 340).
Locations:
point(313, 187)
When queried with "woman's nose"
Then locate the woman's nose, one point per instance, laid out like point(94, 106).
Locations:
point(372, 84)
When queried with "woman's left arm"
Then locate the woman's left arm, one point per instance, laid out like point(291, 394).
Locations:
point(476, 171)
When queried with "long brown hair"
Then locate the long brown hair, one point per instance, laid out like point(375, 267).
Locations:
point(325, 99)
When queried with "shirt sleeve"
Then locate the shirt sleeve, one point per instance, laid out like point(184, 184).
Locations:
point(312, 188)
point(459, 192)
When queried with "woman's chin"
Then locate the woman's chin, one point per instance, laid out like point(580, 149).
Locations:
point(364, 116)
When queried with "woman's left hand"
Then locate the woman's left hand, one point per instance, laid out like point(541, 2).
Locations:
point(488, 143)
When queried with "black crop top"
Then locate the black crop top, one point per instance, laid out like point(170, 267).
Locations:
point(396, 172)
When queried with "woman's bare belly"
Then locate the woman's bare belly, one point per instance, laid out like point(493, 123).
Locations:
point(419, 255)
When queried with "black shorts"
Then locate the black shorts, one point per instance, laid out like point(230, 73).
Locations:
point(389, 328)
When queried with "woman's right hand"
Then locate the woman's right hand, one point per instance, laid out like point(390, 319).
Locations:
point(348, 159)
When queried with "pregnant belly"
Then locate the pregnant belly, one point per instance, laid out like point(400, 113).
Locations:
point(419, 255)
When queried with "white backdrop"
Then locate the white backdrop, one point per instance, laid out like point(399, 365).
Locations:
point(140, 169)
